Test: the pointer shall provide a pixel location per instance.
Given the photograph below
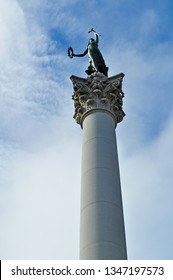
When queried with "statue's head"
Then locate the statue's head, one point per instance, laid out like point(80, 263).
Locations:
point(91, 41)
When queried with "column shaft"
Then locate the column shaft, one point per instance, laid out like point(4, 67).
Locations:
point(102, 233)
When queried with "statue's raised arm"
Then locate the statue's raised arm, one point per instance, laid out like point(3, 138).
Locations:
point(96, 35)
point(96, 60)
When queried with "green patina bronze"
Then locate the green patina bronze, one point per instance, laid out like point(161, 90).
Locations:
point(96, 61)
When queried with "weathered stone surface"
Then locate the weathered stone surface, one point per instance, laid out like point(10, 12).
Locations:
point(98, 92)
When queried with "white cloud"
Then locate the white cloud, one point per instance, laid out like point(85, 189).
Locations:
point(147, 184)
point(35, 197)
point(43, 192)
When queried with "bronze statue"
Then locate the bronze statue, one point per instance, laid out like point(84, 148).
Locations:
point(96, 60)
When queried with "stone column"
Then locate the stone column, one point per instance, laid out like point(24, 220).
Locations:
point(98, 109)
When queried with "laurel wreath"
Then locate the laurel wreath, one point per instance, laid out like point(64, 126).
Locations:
point(70, 52)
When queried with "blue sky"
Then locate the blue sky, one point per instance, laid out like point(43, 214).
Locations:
point(40, 143)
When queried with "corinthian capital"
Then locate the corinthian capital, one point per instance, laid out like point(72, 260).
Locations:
point(98, 93)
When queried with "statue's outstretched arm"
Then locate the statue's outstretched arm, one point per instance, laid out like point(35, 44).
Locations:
point(82, 54)
point(71, 53)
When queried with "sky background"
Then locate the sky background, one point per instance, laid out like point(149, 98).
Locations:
point(40, 143)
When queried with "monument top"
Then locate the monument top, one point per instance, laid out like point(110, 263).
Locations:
point(96, 60)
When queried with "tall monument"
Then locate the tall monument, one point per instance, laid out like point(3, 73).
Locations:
point(98, 109)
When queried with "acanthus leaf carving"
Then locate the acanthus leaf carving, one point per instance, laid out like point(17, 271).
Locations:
point(100, 93)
